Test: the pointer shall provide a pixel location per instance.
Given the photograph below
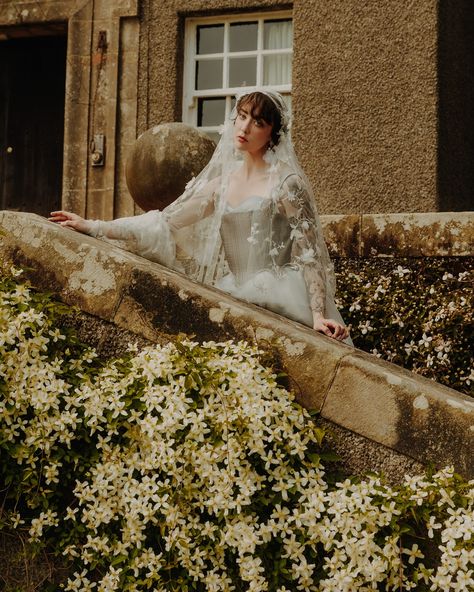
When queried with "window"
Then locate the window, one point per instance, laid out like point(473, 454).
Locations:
point(225, 55)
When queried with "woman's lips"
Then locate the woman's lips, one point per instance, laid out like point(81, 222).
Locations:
point(241, 139)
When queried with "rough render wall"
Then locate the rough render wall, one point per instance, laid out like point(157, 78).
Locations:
point(364, 94)
point(365, 103)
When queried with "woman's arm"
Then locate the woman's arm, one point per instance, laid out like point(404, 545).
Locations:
point(152, 235)
point(119, 229)
point(178, 214)
point(306, 251)
point(147, 235)
point(74, 221)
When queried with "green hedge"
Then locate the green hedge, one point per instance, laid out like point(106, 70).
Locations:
point(417, 313)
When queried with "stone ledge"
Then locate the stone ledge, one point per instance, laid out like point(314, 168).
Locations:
point(435, 234)
point(376, 400)
point(402, 411)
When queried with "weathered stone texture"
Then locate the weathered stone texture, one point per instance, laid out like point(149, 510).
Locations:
point(419, 235)
point(76, 117)
point(401, 410)
point(342, 234)
point(433, 234)
point(68, 263)
point(127, 111)
point(384, 406)
point(163, 160)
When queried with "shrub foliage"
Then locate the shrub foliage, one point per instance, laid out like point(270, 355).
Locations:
point(187, 467)
point(417, 313)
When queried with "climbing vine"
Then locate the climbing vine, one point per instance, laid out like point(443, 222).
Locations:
point(188, 467)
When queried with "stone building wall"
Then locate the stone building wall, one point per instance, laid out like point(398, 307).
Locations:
point(381, 94)
point(365, 103)
point(100, 92)
point(366, 96)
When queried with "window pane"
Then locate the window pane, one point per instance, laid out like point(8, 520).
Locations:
point(277, 69)
point(211, 111)
point(208, 74)
point(242, 71)
point(243, 36)
point(210, 39)
point(278, 34)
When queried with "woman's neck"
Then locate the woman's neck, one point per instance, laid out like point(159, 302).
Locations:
point(254, 165)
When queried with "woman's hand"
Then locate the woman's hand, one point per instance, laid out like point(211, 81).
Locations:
point(71, 221)
point(330, 328)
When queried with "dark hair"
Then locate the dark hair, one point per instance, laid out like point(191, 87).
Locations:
point(262, 107)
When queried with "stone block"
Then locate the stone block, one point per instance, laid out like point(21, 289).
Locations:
point(81, 270)
point(358, 455)
point(342, 234)
point(158, 300)
point(166, 156)
point(402, 411)
point(418, 235)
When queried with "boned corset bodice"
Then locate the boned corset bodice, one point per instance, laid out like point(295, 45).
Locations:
point(249, 234)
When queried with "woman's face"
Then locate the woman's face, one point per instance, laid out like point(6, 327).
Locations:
point(251, 133)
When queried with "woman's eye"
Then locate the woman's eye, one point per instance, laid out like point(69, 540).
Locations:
point(258, 122)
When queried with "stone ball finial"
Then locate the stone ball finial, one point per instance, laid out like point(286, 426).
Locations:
point(162, 160)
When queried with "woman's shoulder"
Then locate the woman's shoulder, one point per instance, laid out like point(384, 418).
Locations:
point(291, 180)
point(211, 185)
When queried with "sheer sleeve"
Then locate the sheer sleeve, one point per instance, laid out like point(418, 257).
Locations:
point(148, 235)
point(295, 203)
point(155, 235)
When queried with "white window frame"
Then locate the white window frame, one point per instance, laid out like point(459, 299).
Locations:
point(191, 95)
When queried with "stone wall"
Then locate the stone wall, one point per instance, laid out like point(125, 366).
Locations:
point(381, 94)
point(365, 96)
point(400, 235)
point(383, 417)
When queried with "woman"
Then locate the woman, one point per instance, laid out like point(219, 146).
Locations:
point(246, 224)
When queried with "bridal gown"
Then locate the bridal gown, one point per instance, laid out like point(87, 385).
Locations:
point(255, 273)
point(279, 286)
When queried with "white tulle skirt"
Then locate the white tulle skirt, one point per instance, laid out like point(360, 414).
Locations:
point(284, 293)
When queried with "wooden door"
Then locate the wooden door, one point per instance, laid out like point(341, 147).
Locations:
point(32, 86)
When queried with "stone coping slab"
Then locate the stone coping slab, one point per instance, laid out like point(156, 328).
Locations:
point(435, 234)
point(374, 399)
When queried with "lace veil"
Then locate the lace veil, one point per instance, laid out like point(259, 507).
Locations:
point(275, 233)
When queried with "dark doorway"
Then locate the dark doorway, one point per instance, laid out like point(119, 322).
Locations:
point(32, 88)
point(456, 105)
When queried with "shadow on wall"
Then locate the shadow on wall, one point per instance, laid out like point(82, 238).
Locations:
point(456, 105)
